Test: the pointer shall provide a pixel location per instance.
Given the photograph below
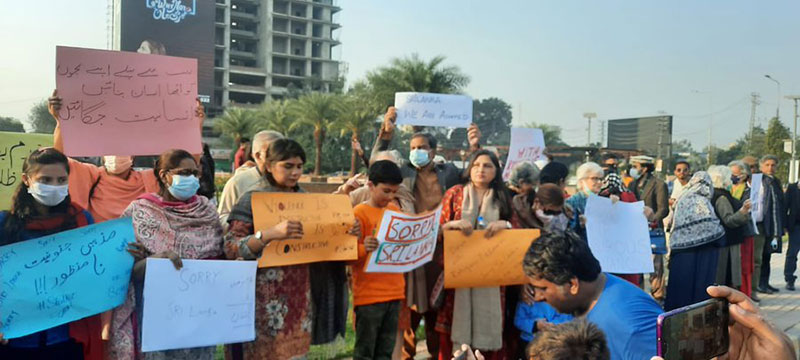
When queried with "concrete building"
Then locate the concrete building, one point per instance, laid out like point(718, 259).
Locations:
point(262, 49)
point(265, 47)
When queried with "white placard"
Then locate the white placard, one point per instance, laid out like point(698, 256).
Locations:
point(756, 199)
point(618, 236)
point(527, 145)
point(406, 242)
point(426, 109)
point(205, 303)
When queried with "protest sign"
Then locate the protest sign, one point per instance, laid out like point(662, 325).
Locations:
point(14, 149)
point(205, 303)
point(326, 220)
point(406, 242)
point(475, 261)
point(756, 199)
point(124, 103)
point(618, 236)
point(64, 277)
point(425, 109)
point(527, 145)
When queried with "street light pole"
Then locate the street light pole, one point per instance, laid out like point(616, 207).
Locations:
point(589, 116)
point(778, 105)
point(792, 168)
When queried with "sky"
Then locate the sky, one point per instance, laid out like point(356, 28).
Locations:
point(552, 61)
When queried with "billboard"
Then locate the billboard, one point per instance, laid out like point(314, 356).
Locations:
point(183, 28)
point(653, 135)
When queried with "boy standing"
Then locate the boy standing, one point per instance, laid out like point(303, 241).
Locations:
point(377, 297)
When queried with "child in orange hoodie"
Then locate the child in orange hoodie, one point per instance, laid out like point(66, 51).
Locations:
point(377, 297)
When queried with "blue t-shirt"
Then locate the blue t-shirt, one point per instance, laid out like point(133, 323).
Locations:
point(527, 315)
point(627, 315)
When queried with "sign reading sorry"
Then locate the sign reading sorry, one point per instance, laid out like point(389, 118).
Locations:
point(406, 242)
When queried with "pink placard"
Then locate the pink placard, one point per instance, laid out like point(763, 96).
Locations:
point(124, 103)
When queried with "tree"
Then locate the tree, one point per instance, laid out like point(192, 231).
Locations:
point(355, 118)
point(236, 123)
point(11, 124)
point(316, 110)
point(40, 119)
point(493, 116)
point(414, 74)
point(552, 133)
point(274, 115)
point(776, 134)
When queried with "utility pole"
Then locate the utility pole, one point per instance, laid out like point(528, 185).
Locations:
point(792, 167)
point(589, 116)
point(754, 101)
point(778, 105)
point(602, 132)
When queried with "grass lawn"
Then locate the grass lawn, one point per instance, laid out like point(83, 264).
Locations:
point(338, 350)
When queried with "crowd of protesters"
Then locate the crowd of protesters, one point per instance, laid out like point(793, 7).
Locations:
point(570, 308)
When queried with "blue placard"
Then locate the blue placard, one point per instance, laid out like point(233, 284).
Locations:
point(64, 277)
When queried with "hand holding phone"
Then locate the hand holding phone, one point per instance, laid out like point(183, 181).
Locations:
point(695, 332)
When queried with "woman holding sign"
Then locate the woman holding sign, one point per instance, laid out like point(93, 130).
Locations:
point(283, 293)
point(174, 223)
point(474, 316)
point(41, 206)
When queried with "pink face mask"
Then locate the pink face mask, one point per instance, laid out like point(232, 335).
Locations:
point(117, 164)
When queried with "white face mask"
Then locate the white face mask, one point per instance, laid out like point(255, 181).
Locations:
point(634, 173)
point(48, 195)
point(117, 164)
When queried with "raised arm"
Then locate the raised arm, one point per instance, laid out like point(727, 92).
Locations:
point(53, 106)
point(385, 133)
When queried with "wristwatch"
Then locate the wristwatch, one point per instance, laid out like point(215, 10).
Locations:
point(259, 236)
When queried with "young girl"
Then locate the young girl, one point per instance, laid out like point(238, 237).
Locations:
point(283, 320)
point(41, 206)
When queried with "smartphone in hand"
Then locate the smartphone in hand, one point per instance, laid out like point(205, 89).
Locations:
point(695, 332)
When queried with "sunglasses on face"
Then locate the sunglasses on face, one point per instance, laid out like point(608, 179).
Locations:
point(551, 212)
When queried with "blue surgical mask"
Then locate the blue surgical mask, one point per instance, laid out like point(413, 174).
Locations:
point(634, 173)
point(184, 186)
point(419, 158)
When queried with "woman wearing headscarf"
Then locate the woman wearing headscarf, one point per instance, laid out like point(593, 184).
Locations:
point(174, 223)
point(696, 233)
point(734, 216)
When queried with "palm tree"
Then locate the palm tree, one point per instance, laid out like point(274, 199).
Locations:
point(274, 115)
point(414, 74)
point(318, 110)
point(236, 123)
point(355, 117)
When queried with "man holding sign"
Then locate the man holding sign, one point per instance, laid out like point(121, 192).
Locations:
point(377, 297)
point(428, 183)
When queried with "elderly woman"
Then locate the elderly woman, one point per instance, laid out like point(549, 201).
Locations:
point(694, 241)
point(590, 181)
point(524, 178)
point(734, 216)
